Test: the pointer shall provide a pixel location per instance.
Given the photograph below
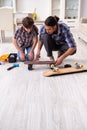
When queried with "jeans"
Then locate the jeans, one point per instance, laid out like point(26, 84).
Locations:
point(26, 51)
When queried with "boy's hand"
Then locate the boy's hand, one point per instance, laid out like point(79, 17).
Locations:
point(31, 55)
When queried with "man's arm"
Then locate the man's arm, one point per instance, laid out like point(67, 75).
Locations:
point(71, 43)
point(40, 44)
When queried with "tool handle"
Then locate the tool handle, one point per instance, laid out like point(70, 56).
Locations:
point(10, 67)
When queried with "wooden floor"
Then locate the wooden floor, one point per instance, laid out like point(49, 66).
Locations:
point(30, 101)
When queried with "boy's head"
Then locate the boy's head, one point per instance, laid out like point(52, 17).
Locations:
point(27, 23)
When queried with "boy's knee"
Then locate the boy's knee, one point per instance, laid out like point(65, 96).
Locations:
point(29, 58)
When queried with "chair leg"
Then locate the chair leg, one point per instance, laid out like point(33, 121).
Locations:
point(2, 35)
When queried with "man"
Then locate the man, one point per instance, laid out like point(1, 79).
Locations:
point(56, 36)
point(25, 39)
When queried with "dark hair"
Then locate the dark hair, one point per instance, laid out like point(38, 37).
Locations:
point(50, 21)
point(57, 18)
point(27, 22)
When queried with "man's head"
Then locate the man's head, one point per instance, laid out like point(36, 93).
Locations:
point(57, 18)
point(27, 23)
point(50, 25)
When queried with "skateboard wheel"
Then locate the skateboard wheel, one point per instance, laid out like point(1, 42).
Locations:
point(75, 63)
point(30, 67)
point(51, 66)
point(54, 68)
point(81, 66)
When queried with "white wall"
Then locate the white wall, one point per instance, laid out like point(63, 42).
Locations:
point(42, 7)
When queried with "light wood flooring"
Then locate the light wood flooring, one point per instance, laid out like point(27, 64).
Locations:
point(30, 101)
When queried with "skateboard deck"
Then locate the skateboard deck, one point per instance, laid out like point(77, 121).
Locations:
point(63, 71)
point(37, 62)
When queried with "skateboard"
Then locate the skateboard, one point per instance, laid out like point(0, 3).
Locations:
point(38, 62)
point(62, 71)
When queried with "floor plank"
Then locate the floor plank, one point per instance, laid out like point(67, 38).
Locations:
point(30, 101)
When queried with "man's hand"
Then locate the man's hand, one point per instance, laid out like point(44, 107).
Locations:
point(59, 60)
point(37, 55)
point(40, 44)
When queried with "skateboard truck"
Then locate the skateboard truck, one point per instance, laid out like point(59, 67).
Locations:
point(78, 66)
point(54, 68)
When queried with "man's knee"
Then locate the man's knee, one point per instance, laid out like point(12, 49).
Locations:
point(74, 52)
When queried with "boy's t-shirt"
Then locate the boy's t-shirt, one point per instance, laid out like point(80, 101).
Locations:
point(24, 38)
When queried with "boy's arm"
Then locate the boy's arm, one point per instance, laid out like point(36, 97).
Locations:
point(16, 45)
point(31, 54)
point(35, 40)
point(22, 55)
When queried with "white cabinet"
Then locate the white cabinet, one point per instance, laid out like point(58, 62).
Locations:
point(6, 3)
point(56, 7)
point(67, 10)
point(71, 12)
point(17, 5)
point(14, 5)
point(71, 9)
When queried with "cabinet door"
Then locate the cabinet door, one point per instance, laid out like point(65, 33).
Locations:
point(55, 4)
point(71, 9)
point(6, 3)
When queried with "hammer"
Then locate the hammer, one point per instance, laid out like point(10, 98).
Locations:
point(14, 65)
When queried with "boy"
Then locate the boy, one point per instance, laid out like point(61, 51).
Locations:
point(25, 40)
